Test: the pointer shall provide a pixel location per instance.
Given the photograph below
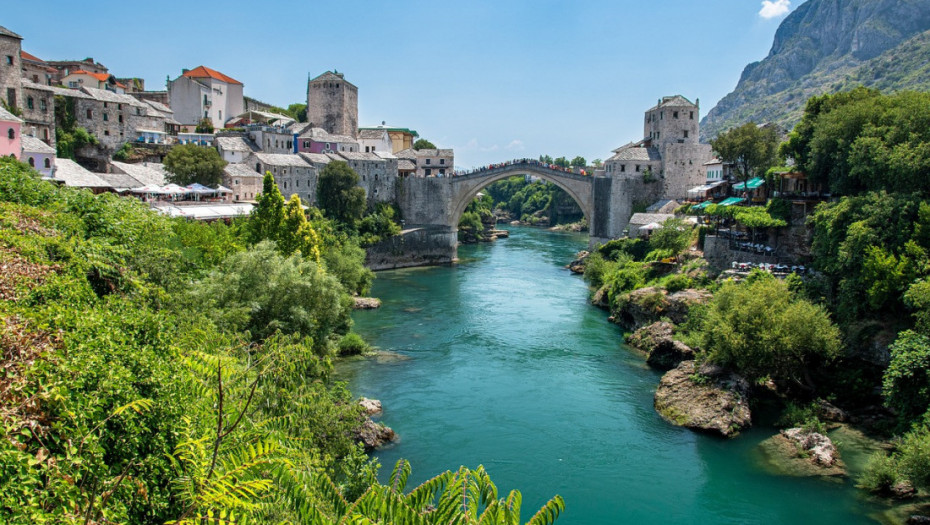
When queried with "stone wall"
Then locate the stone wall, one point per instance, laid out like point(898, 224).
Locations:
point(332, 104)
point(414, 247)
point(718, 254)
point(11, 67)
point(40, 119)
point(376, 175)
point(424, 200)
point(683, 168)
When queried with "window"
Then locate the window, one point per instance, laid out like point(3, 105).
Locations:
point(9, 60)
point(427, 162)
point(205, 114)
point(104, 104)
point(297, 183)
point(692, 115)
point(674, 114)
point(11, 134)
point(45, 133)
point(204, 100)
point(138, 111)
point(106, 132)
point(258, 167)
point(236, 182)
point(32, 162)
point(43, 104)
point(120, 119)
point(686, 133)
point(429, 172)
point(637, 168)
point(72, 84)
point(106, 117)
point(442, 161)
point(11, 97)
point(30, 103)
point(661, 115)
point(622, 168)
point(35, 78)
point(48, 163)
point(221, 116)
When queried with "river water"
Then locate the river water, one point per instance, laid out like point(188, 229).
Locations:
point(500, 361)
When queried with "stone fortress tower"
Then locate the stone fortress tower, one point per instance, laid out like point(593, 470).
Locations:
point(332, 104)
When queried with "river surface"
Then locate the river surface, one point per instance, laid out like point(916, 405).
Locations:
point(502, 362)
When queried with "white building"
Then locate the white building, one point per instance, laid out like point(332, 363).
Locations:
point(205, 93)
point(39, 155)
point(373, 140)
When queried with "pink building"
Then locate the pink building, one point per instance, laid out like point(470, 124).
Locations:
point(11, 144)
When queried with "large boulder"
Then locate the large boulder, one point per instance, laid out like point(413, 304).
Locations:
point(662, 351)
point(817, 446)
point(371, 407)
point(650, 304)
point(373, 435)
point(366, 303)
point(577, 266)
point(709, 399)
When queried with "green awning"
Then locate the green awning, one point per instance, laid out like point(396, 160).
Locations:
point(702, 205)
point(751, 184)
point(731, 201)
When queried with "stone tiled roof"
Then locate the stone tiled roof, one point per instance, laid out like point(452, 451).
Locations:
point(316, 158)
point(372, 134)
point(8, 117)
point(73, 174)
point(406, 154)
point(674, 100)
point(235, 144)
point(434, 152)
point(634, 152)
point(120, 181)
point(335, 76)
point(240, 170)
point(298, 127)
point(321, 135)
point(386, 155)
point(147, 173)
point(281, 159)
point(108, 96)
point(6, 32)
point(658, 205)
point(34, 145)
point(158, 106)
point(65, 92)
point(646, 218)
point(406, 165)
point(357, 155)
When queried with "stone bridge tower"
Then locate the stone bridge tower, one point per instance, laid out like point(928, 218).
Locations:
point(332, 104)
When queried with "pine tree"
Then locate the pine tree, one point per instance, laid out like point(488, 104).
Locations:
point(296, 233)
point(268, 215)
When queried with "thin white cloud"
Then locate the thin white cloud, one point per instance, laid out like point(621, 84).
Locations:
point(474, 145)
point(515, 145)
point(776, 8)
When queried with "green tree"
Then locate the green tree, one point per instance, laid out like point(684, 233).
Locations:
point(296, 234)
point(545, 159)
point(761, 329)
point(339, 196)
point(561, 162)
point(298, 111)
point(579, 162)
point(674, 236)
point(190, 163)
point(906, 385)
point(752, 149)
point(268, 215)
point(423, 144)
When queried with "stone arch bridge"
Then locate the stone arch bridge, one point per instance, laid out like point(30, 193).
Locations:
point(432, 207)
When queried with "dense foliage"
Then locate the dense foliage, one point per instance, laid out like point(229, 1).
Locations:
point(69, 137)
point(156, 369)
point(190, 163)
point(423, 144)
point(750, 148)
point(338, 194)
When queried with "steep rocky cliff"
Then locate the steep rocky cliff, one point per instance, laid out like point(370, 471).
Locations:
point(826, 46)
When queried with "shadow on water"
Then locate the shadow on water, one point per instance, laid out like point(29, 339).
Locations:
point(510, 367)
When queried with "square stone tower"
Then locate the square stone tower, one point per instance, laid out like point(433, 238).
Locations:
point(11, 68)
point(674, 120)
point(332, 104)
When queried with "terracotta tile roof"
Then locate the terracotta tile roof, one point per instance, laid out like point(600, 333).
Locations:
point(29, 56)
point(204, 72)
point(103, 77)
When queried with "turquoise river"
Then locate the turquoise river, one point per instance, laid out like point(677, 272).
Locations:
point(500, 361)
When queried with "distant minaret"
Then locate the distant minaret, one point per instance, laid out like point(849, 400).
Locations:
point(332, 104)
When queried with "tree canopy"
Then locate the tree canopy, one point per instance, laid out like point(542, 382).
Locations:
point(190, 163)
point(750, 148)
point(423, 144)
point(338, 194)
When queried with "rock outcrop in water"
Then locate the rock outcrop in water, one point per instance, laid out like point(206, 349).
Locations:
point(709, 399)
point(648, 305)
point(662, 351)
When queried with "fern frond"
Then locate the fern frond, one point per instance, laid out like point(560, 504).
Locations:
point(549, 512)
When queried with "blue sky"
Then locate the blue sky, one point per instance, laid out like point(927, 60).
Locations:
point(493, 79)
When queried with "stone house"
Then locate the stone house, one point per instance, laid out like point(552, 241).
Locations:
point(11, 144)
point(80, 78)
point(172, 126)
point(718, 170)
point(401, 138)
point(39, 155)
point(114, 118)
point(11, 67)
point(291, 172)
point(273, 139)
point(670, 153)
point(332, 104)
point(244, 181)
point(638, 220)
point(430, 162)
point(37, 70)
point(235, 149)
point(205, 93)
point(372, 140)
point(318, 140)
point(377, 173)
point(64, 67)
point(39, 111)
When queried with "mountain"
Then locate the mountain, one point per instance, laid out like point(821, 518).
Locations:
point(826, 46)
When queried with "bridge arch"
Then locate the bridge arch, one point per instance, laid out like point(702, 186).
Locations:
point(466, 187)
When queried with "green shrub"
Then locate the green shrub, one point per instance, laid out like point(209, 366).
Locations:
point(678, 282)
point(880, 473)
point(353, 344)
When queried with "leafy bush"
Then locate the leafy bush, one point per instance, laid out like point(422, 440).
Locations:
point(880, 473)
point(353, 344)
point(677, 282)
point(906, 385)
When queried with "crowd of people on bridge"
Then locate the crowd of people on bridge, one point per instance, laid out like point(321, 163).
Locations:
point(519, 162)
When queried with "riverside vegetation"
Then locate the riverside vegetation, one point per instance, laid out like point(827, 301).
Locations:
point(858, 325)
point(157, 370)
